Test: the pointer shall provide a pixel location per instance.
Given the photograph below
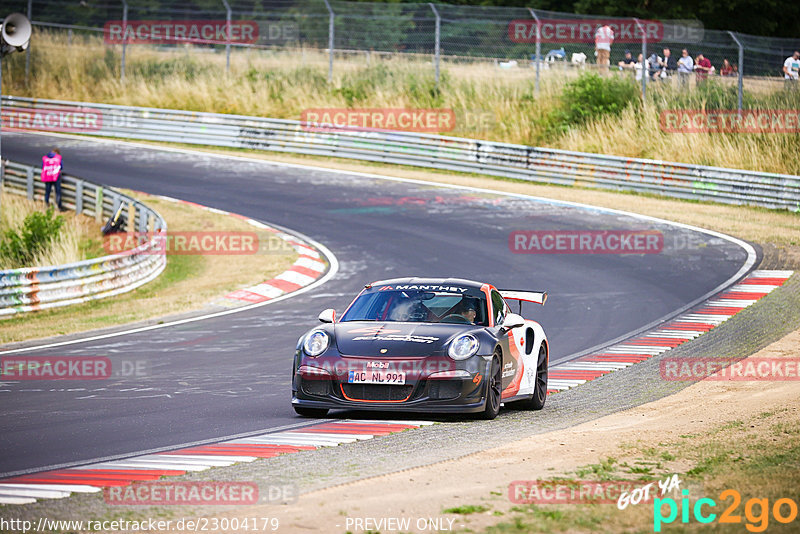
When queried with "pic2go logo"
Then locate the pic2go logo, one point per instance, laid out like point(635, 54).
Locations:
point(756, 511)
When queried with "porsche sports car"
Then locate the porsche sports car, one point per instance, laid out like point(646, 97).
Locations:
point(424, 345)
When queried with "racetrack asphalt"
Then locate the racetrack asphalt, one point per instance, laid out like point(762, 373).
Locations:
point(231, 375)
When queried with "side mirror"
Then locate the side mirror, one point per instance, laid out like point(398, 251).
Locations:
point(327, 316)
point(513, 321)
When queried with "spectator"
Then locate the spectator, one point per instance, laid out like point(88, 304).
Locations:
point(685, 67)
point(791, 70)
point(703, 68)
point(726, 69)
point(668, 64)
point(638, 66)
point(603, 38)
point(51, 174)
point(654, 66)
point(628, 62)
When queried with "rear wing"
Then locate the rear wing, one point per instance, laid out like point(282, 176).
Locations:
point(539, 297)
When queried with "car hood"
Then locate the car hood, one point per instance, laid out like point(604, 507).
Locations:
point(389, 339)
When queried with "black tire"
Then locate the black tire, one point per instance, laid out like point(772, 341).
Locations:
point(311, 412)
point(494, 389)
point(537, 400)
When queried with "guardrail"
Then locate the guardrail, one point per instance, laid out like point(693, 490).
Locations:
point(37, 288)
point(696, 182)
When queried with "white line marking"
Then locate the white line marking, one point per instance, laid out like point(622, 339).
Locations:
point(72, 488)
point(8, 499)
point(295, 278)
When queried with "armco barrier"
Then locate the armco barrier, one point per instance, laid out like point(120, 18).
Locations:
point(38, 288)
point(423, 150)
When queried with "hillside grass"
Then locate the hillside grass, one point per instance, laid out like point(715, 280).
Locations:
point(488, 102)
point(78, 238)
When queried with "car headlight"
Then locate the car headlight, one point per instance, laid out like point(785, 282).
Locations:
point(316, 343)
point(463, 347)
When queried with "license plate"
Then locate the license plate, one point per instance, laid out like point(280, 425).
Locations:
point(376, 377)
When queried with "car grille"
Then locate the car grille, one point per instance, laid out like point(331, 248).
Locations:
point(319, 388)
point(444, 389)
point(377, 392)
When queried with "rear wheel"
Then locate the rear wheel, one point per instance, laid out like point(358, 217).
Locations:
point(536, 402)
point(494, 387)
point(310, 412)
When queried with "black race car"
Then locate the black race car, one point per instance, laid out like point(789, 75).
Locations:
point(423, 345)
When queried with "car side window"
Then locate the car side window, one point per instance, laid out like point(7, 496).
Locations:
point(499, 308)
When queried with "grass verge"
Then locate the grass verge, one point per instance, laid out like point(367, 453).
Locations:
point(758, 458)
point(78, 238)
point(190, 282)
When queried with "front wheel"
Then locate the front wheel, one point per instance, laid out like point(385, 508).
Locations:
point(310, 412)
point(494, 387)
point(536, 402)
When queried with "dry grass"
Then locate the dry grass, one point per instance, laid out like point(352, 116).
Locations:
point(190, 282)
point(489, 103)
point(78, 239)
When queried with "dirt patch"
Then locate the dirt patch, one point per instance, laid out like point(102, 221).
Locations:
point(478, 482)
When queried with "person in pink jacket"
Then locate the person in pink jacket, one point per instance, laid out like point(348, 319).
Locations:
point(51, 174)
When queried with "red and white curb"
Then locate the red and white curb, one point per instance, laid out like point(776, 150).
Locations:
point(668, 335)
point(92, 478)
point(306, 270)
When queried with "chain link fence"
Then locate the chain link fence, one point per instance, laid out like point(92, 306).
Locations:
point(510, 37)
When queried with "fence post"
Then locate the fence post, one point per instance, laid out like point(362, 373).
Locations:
point(741, 69)
point(29, 182)
point(124, 38)
point(227, 36)
point(28, 49)
point(330, 41)
point(538, 45)
point(437, 41)
point(645, 72)
point(98, 203)
point(78, 197)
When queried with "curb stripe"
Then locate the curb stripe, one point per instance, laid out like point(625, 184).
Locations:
point(673, 333)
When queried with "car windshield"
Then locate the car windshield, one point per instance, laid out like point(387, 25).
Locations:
point(418, 306)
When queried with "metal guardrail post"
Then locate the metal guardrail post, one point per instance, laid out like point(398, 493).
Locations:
point(227, 36)
point(330, 41)
point(645, 70)
point(437, 41)
point(130, 225)
point(29, 182)
point(741, 70)
point(538, 45)
point(124, 39)
point(98, 204)
point(78, 197)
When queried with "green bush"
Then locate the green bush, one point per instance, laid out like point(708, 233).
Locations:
point(21, 246)
point(591, 97)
